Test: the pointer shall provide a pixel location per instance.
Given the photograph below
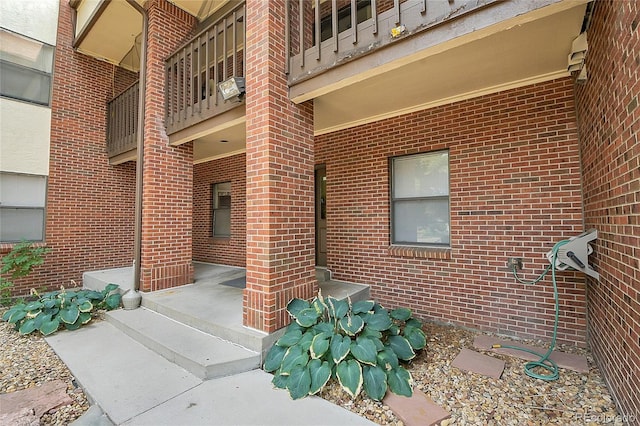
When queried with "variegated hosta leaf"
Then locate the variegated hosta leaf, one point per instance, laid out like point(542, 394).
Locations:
point(280, 381)
point(379, 320)
point(401, 314)
point(337, 308)
point(387, 359)
point(400, 381)
point(364, 350)
point(274, 358)
point(296, 305)
point(351, 324)
point(289, 338)
point(49, 327)
point(416, 337)
point(299, 382)
point(375, 381)
point(320, 374)
point(340, 346)
point(294, 356)
point(70, 314)
point(307, 317)
point(319, 346)
point(85, 306)
point(362, 306)
point(349, 374)
point(401, 347)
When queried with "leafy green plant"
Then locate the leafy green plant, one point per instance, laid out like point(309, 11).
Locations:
point(361, 344)
point(71, 309)
point(19, 262)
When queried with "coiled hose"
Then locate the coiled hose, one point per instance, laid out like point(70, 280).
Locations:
point(545, 362)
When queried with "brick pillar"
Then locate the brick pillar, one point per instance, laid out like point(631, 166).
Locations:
point(280, 196)
point(168, 171)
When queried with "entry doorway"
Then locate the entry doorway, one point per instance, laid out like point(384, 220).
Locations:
point(321, 215)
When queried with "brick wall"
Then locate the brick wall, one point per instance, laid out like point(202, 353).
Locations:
point(89, 222)
point(280, 195)
point(515, 191)
point(228, 251)
point(609, 123)
point(168, 171)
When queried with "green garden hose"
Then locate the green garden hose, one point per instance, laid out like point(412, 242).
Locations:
point(544, 361)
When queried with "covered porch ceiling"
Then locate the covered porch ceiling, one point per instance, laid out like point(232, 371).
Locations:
point(112, 30)
point(522, 52)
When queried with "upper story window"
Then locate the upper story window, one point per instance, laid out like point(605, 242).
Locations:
point(25, 68)
point(420, 199)
point(22, 207)
point(222, 209)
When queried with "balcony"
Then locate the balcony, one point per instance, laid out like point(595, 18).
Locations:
point(327, 33)
point(193, 72)
point(361, 61)
point(122, 125)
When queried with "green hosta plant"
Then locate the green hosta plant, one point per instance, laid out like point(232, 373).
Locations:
point(55, 309)
point(360, 344)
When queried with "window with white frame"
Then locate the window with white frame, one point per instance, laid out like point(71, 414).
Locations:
point(221, 226)
point(25, 68)
point(420, 199)
point(22, 207)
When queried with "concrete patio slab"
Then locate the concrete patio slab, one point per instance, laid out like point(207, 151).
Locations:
point(245, 399)
point(562, 359)
point(119, 374)
point(475, 362)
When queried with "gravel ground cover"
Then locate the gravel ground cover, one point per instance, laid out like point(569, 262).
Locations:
point(472, 399)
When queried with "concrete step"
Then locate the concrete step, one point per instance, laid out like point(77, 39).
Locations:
point(118, 373)
point(203, 355)
point(343, 289)
point(322, 274)
point(98, 280)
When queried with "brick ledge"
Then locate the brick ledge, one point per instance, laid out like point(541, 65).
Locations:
point(420, 252)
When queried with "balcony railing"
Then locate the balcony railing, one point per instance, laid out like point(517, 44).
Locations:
point(193, 72)
point(326, 33)
point(122, 121)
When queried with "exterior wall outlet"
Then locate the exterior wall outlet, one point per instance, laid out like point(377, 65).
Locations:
point(514, 262)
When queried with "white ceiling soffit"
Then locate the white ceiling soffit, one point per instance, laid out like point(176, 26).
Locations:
point(223, 143)
point(524, 54)
point(201, 9)
point(113, 35)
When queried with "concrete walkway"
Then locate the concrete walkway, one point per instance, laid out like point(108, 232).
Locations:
point(133, 385)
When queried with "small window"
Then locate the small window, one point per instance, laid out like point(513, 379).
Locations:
point(25, 68)
point(420, 199)
point(22, 207)
point(222, 209)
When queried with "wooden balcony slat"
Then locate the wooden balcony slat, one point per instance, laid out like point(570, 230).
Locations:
point(191, 79)
point(122, 122)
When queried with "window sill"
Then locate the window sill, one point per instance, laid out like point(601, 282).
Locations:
point(420, 252)
point(220, 240)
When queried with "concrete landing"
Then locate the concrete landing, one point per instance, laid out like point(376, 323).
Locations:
point(201, 354)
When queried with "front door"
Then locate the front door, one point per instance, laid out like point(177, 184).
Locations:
point(321, 216)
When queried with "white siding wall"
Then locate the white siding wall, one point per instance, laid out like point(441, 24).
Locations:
point(37, 19)
point(24, 137)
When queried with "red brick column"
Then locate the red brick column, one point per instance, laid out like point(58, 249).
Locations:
point(280, 218)
point(168, 171)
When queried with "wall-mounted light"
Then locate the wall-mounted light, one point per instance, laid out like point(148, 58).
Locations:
point(575, 60)
point(232, 88)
